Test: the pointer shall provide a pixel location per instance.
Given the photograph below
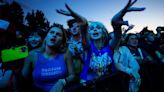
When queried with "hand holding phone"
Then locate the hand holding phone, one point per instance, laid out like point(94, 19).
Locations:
point(9, 55)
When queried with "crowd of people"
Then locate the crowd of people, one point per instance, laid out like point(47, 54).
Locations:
point(85, 57)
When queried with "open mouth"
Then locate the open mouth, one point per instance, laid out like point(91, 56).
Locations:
point(95, 34)
point(52, 40)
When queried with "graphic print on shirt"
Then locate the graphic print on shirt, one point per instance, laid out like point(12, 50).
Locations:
point(50, 71)
point(99, 63)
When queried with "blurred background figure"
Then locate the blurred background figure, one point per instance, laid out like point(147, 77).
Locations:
point(35, 39)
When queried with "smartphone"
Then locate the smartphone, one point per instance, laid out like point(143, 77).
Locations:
point(9, 55)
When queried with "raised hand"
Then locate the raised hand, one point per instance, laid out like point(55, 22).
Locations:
point(117, 20)
point(70, 12)
point(67, 13)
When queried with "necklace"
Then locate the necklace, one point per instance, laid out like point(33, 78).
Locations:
point(100, 59)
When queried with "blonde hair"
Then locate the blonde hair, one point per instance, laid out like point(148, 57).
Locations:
point(63, 46)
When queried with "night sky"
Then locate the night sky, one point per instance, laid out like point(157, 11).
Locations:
point(100, 10)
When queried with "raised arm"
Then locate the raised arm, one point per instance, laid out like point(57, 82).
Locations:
point(83, 21)
point(117, 21)
point(70, 12)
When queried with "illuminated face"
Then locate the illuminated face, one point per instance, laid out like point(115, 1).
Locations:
point(95, 31)
point(75, 29)
point(34, 40)
point(133, 41)
point(54, 37)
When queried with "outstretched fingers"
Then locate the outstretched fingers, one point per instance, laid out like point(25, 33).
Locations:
point(63, 12)
point(118, 18)
point(135, 9)
point(133, 2)
point(70, 10)
point(124, 10)
point(130, 8)
point(68, 7)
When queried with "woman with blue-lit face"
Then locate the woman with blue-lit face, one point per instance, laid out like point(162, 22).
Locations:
point(99, 57)
point(99, 52)
point(95, 31)
point(54, 37)
point(52, 62)
point(34, 40)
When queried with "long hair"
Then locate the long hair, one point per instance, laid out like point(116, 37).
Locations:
point(63, 46)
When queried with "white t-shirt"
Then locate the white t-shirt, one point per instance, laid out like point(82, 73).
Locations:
point(125, 59)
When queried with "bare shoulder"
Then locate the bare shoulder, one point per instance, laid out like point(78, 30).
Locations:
point(32, 53)
point(32, 57)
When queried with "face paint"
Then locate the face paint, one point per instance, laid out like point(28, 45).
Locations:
point(54, 37)
point(95, 31)
point(75, 29)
